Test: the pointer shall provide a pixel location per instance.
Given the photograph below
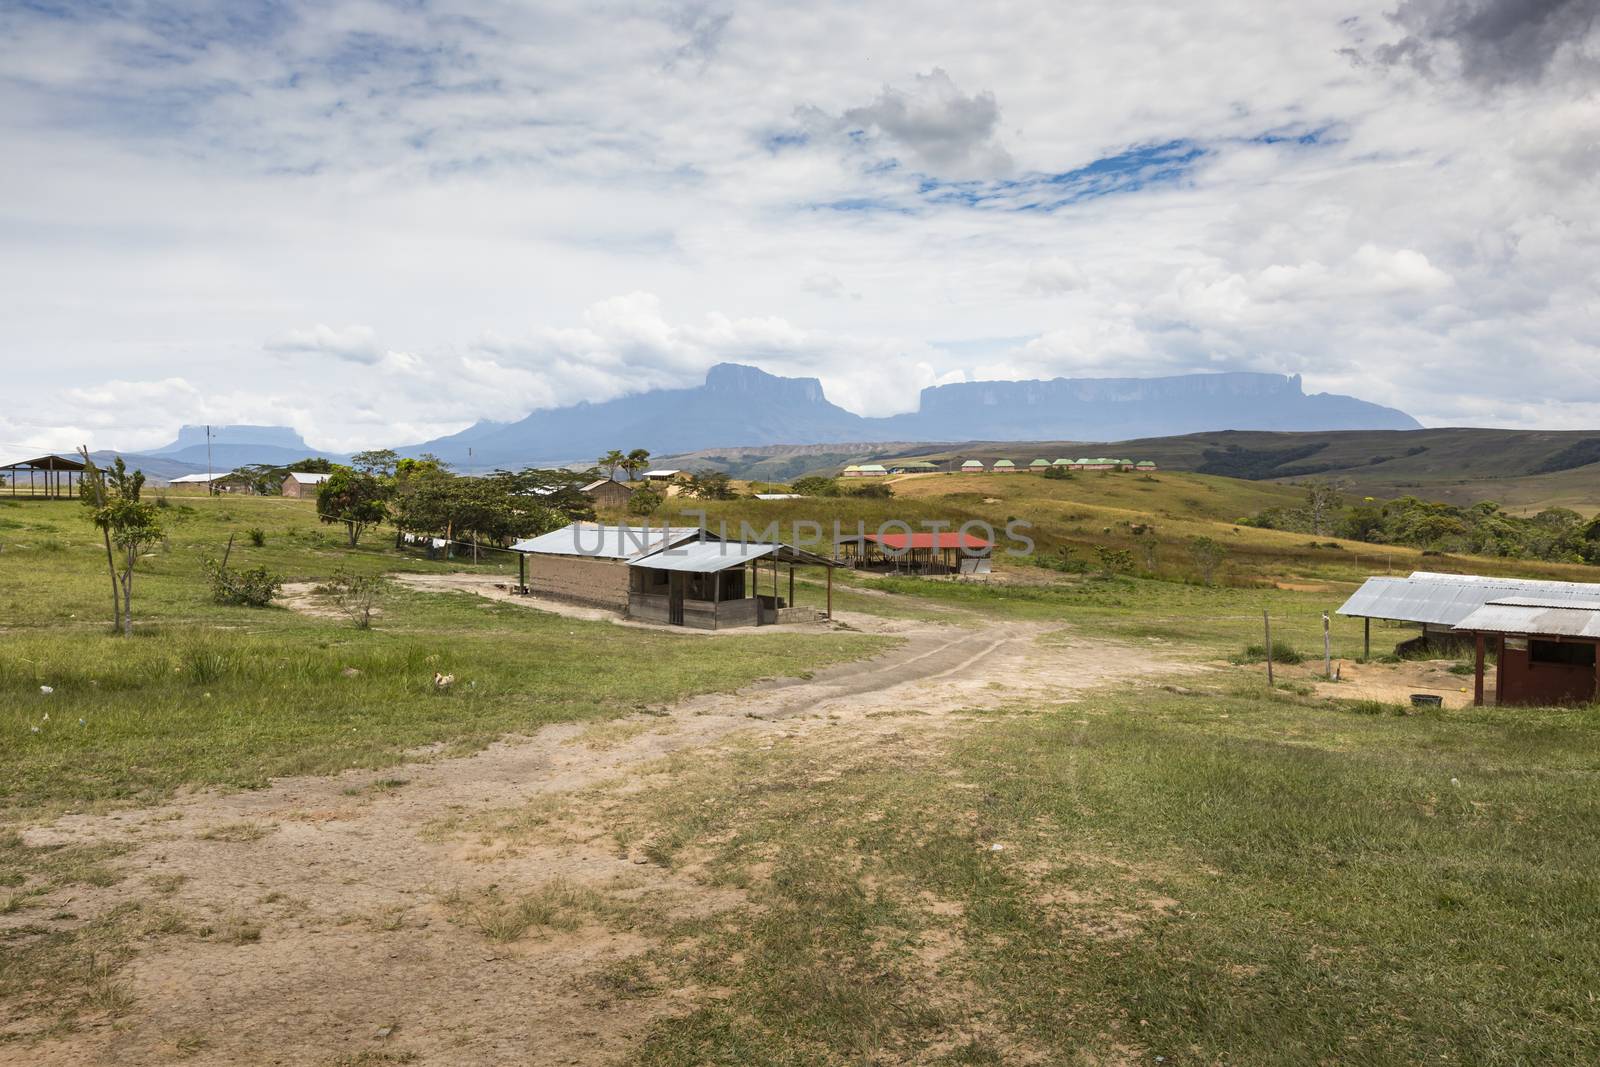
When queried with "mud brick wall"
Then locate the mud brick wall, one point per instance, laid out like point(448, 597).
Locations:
point(584, 579)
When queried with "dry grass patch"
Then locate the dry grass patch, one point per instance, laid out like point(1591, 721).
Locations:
point(238, 832)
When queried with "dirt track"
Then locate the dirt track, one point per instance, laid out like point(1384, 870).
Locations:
point(350, 882)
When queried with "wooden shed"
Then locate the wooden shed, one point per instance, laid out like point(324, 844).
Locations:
point(1545, 646)
point(608, 493)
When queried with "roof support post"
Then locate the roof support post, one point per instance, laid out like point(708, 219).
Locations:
point(1500, 671)
point(1477, 672)
point(830, 595)
point(1366, 641)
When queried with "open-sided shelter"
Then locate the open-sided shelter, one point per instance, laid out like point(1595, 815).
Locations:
point(44, 477)
point(924, 552)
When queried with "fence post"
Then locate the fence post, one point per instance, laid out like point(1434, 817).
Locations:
point(1266, 620)
point(1327, 649)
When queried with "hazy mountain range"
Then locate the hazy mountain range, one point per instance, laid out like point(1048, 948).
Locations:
point(741, 405)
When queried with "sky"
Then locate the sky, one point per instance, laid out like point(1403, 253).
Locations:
point(380, 222)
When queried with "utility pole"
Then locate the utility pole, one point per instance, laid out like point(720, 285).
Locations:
point(210, 474)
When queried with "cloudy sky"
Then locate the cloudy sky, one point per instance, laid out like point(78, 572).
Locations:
point(379, 222)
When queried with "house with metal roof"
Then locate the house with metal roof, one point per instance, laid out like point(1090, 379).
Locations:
point(303, 483)
point(1145, 466)
point(1038, 465)
point(1061, 463)
point(912, 466)
point(677, 575)
point(972, 466)
point(1004, 466)
point(866, 470)
point(1544, 633)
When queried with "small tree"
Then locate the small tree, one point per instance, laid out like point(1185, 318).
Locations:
point(354, 498)
point(1149, 546)
point(1207, 555)
point(636, 461)
point(1322, 500)
point(126, 523)
point(644, 501)
point(611, 461)
point(814, 485)
point(378, 462)
point(710, 485)
point(356, 595)
point(1114, 561)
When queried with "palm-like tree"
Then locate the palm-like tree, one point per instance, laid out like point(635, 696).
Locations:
point(635, 461)
point(611, 461)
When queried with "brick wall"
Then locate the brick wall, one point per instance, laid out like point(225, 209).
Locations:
point(602, 582)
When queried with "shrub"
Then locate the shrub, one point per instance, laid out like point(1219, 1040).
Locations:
point(1065, 560)
point(1282, 652)
point(644, 501)
point(869, 490)
point(356, 595)
point(253, 588)
point(257, 535)
point(1113, 561)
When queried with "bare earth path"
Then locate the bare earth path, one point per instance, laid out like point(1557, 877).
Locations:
point(361, 956)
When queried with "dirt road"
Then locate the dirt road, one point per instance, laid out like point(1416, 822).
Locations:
point(345, 893)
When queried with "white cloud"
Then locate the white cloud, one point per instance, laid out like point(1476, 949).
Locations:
point(380, 223)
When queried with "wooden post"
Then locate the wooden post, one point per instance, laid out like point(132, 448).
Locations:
point(1366, 640)
point(791, 585)
point(1595, 696)
point(830, 591)
point(1266, 620)
point(1477, 671)
point(1499, 670)
point(522, 570)
point(1327, 649)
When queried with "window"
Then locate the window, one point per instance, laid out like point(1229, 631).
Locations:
point(1569, 653)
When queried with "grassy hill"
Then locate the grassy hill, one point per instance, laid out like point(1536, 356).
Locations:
point(1523, 469)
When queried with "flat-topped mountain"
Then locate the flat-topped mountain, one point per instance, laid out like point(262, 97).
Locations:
point(742, 405)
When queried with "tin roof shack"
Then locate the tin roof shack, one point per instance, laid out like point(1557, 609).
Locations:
point(917, 553)
point(587, 563)
point(1546, 648)
point(1438, 602)
point(607, 493)
point(972, 466)
point(716, 585)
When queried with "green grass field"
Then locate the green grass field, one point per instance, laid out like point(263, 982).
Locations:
point(231, 696)
point(1207, 878)
point(1193, 867)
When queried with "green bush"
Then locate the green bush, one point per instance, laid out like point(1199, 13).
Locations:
point(1282, 652)
point(257, 535)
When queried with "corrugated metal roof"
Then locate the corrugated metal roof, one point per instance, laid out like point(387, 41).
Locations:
point(607, 542)
point(1447, 599)
point(1533, 615)
point(309, 477)
point(706, 557)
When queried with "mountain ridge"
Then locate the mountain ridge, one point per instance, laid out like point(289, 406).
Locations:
point(741, 405)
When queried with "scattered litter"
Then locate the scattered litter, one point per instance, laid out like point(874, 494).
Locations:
point(383, 1032)
point(46, 690)
point(997, 848)
point(1456, 782)
point(350, 672)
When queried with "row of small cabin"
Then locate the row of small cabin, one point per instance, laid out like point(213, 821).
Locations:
point(1001, 466)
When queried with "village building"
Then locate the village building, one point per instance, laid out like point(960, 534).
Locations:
point(912, 466)
point(1062, 463)
point(865, 470)
point(46, 477)
point(1038, 466)
point(1004, 466)
point(1543, 633)
point(917, 553)
point(972, 466)
point(678, 576)
point(224, 483)
point(303, 483)
point(1145, 466)
point(607, 493)
point(665, 474)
